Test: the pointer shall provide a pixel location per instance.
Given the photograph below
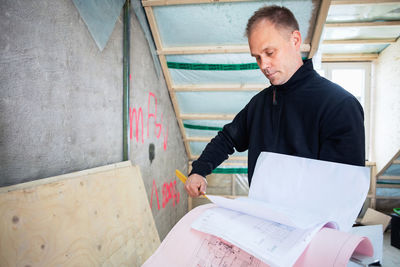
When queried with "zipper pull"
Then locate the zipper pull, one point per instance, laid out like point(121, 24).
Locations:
point(274, 102)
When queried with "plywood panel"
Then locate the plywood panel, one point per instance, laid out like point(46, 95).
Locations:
point(90, 218)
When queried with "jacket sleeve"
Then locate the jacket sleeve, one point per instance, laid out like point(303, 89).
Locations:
point(342, 136)
point(233, 136)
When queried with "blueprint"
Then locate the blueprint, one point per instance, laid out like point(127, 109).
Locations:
point(215, 252)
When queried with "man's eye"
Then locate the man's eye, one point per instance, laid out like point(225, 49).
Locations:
point(269, 53)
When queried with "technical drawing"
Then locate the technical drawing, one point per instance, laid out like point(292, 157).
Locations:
point(215, 252)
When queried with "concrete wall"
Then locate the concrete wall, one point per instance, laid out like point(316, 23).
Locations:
point(386, 106)
point(161, 134)
point(60, 102)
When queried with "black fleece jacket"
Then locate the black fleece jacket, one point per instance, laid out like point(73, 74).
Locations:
point(309, 117)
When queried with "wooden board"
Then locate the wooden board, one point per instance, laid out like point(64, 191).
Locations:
point(94, 217)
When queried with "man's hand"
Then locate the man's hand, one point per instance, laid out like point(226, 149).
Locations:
point(196, 185)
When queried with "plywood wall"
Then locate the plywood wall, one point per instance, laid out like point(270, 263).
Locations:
point(90, 218)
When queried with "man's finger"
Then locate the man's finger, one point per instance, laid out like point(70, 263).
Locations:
point(203, 187)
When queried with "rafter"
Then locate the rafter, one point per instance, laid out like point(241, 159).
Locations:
point(360, 41)
point(220, 49)
point(349, 57)
point(363, 24)
point(355, 2)
point(185, 2)
point(218, 87)
point(207, 116)
point(319, 24)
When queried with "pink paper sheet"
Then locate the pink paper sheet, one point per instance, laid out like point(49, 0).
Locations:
point(185, 247)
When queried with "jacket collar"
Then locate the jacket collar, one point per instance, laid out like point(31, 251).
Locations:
point(298, 77)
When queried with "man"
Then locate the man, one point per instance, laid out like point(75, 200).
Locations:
point(300, 114)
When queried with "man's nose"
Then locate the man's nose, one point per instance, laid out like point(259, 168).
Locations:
point(265, 63)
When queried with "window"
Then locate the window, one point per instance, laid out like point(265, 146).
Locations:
point(355, 77)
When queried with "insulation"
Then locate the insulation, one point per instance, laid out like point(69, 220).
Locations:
point(363, 12)
point(211, 102)
point(374, 32)
point(352, 48)
point(191, 23)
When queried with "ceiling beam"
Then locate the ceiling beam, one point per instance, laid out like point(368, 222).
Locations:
point(318, 27)
point(218, 87)
point(363, 24)
point(231, 158)
point(360, 41)
point(198, 139)
point(207, 116)
point(185, 2)
point(220, 49)
point(230, 163)
point(349, 57)
point(355, 2)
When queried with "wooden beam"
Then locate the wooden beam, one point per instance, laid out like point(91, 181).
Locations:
point(238, 158)
point(207, 116)
point(363, 24)
point(218, 87)
point(230, 163)
point(221, 49)
point(360, 41)
point(198, 139)
point(319, 25)
point(363, 2)
point(349, 57)
point(147, 3)
point(167, 76)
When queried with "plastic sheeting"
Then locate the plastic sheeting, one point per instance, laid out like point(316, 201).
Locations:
point(100, 17)
point(180, 76)
point(205, 128)
point(374, 32)
point(388, 192)
point(393, 170)
point(192, 23)
point(213, 102)
point(352, 48)
point(363, 12)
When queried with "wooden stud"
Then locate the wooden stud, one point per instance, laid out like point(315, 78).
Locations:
point(147, 3)
point(363, 24)
point(319, 25)
point(221, 49)
point(388, 177)
point(168, 79)
point(362, 2)
point(238, 158)
point(207, 116)
point(198, 139)
point(360, 41)
point(349, 57)
point(218, 87)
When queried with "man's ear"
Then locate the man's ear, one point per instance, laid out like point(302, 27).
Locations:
point(296, 39)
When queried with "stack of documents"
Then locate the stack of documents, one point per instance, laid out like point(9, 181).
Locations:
point(298, 213)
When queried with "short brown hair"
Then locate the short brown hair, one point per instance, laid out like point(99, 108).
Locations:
point(279, 16)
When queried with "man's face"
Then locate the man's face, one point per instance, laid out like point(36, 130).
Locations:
point(277, 51)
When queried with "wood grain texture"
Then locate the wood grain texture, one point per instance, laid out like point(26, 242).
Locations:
point(90, 218)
